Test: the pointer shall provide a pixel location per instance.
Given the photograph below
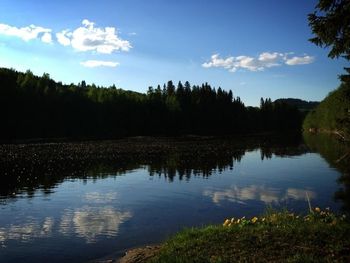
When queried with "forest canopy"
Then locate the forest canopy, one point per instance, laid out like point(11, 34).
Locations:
point(39, 107)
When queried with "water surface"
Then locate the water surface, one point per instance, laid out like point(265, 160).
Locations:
point(60, 214)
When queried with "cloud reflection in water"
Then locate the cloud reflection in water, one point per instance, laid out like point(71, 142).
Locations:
point(90, 222)
point(27, 231)
point(94, 219)
point(261, 193)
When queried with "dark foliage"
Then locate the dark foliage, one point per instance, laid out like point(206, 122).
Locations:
point(331, 24)
point(333, 113)
point(39, 107)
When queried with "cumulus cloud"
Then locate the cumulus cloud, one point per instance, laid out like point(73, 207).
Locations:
point(63, 38)
point(91, 38)
point(300, 60)
point(219, 62)
point(259, 63)
point(99, 63)
point(47, 38)
point(27, 33)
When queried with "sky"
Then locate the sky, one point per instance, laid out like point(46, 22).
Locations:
point(254, 48)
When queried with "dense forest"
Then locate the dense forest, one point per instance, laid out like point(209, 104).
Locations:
point(39, 107)
point(333, 113)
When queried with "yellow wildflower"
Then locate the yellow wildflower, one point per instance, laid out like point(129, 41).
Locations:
point(317, 209)
point(254, 219)
point(226, 222)
point(238, 220)
point(232, 220)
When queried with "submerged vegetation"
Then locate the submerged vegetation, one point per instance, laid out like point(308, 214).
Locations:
point(39, 107)
point(320, 236)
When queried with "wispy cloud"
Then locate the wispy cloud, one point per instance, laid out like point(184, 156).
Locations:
point(259, 63)
point(91, 38)
point(27, 33)
point(99, 63)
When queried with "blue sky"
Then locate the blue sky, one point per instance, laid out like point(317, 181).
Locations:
point(255, 48)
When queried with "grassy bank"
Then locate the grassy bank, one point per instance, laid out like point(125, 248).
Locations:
point(320, 236)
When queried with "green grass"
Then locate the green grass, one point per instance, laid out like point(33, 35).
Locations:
point(321, 236)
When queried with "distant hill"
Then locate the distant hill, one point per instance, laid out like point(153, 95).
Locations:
point(302, 105)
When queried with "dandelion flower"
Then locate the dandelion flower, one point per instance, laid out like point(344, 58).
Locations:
point(254, 219)
point(226, 222)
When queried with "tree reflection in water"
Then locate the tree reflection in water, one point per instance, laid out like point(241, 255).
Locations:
point(337, 155)
point(28, 168)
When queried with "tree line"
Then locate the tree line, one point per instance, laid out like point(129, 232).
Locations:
point(39, 107)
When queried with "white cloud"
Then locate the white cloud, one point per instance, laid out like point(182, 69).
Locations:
point(63, 38)
point(300, 60)
point(46, 38)
point(27, 33)
point(259, 63)
point(91, 38)
point(248, 63)
point(99, 63)
point(270, 59)
point(219, 62)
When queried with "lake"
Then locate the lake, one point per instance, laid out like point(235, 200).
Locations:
point(76, 202)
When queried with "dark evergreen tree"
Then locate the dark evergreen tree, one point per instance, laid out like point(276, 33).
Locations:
point(331, 24)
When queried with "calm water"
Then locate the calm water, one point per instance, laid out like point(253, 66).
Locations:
point(84, 217)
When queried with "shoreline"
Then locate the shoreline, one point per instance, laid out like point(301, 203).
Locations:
point(271, 237)
point(132, 255)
